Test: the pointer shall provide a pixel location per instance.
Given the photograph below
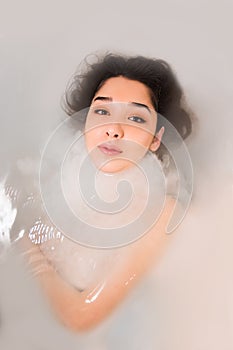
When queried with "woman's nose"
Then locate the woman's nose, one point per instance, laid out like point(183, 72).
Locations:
point(115, 131)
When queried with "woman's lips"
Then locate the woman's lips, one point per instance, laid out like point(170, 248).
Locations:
point(109, 149)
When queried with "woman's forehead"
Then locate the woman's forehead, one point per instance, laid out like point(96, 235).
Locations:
point(121, 89)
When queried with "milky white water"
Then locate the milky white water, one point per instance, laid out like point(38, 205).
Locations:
point(186, 302)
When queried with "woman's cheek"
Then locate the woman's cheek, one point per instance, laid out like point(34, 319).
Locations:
point(142, 138)
point(92, 138)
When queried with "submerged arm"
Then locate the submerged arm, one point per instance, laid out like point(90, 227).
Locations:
point(81, 310)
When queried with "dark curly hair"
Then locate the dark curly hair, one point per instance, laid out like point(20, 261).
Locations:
point(156, 74)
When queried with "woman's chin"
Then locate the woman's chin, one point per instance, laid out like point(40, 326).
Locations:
point(115, 166)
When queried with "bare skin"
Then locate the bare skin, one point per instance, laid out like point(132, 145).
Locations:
point(79, 311)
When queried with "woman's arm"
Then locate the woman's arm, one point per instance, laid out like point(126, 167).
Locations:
point(83, 310)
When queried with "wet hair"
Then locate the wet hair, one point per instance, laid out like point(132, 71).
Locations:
point(156, 74)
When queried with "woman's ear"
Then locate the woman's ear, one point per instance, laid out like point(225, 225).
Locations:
point(157, 140)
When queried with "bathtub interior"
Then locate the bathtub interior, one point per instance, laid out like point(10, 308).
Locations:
point(186, 301)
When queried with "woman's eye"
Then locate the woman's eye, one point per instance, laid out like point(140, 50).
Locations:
point(137, 119)
point(101, 111)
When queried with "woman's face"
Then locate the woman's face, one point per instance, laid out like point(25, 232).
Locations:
point(120, 125)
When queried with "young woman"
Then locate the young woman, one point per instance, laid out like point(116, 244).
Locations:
point(121, 97)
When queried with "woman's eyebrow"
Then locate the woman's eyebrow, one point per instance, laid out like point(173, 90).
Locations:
point(141, 105)
point(103, 98)
point(106, 98)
